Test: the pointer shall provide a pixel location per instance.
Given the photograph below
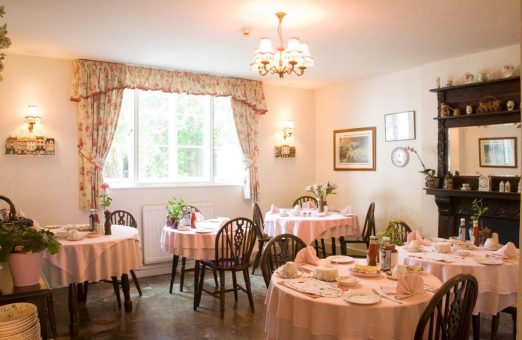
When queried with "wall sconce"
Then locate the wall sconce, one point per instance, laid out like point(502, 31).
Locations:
point(32, 116)
point(286, 150)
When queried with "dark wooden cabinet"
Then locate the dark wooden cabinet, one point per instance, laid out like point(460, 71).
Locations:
point(503, 214)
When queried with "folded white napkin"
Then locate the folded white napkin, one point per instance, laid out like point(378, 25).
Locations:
point(307, 255)
point(199, 217)
point(347, 210)
point(507, 251)
point(416, 236)
point(409, 285)
point(309, 205)
point(274, 209)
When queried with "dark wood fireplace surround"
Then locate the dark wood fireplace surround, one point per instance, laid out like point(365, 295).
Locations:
point(503, 214)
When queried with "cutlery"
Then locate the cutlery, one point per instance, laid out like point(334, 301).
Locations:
point(430, 289)
point(386, 297)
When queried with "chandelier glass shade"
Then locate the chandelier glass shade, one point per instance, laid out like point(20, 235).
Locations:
point(295, 58)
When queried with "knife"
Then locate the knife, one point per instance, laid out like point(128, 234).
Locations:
point(386, 297)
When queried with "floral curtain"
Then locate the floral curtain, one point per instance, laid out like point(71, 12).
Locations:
point(97, 120)
point(98, 87)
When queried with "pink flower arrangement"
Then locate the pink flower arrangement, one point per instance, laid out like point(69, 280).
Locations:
point(105, 200)
point(426, 171)
point(321, 190)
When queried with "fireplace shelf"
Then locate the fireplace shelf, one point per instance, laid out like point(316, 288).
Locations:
point(512, 196)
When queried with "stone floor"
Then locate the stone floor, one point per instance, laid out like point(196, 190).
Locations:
point(159, 315)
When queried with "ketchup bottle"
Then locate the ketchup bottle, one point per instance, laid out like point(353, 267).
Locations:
point(193, 220)
point(372, 251)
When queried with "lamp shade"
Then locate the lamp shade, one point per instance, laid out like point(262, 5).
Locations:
point(265, 46)
point(293, 44)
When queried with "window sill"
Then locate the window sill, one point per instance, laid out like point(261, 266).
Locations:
point(170, 185)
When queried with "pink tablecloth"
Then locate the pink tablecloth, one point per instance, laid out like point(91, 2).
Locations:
point(94, 259)
point(498, 284)
point(309, 228)
point(292, 315)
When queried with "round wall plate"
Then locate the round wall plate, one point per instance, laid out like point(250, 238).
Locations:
point(400, 157)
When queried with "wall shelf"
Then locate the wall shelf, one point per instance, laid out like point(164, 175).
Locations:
point(513, 196)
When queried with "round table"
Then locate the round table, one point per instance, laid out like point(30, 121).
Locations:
point(309, 228)
point(293, 315)
point(498, 284)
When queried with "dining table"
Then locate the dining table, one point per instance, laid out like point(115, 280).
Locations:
point(92, 258)
point(311, 225)
point(292, 314)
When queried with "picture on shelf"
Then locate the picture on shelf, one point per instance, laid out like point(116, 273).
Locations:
point(30, 146)
point(354, 149)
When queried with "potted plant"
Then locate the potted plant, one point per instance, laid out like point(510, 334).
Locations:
point(174, 212)
point(432, 181)
point(392, 232)
point(321, 191)
point(23, 248)
point(478, 210)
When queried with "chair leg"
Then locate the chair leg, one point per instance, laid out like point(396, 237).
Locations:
point(234, 282)
point(343, 245)
point(135, 280)
point(199, 286)
point(334, 247)
point(215, 277)
point(222, 293)
point(494, 326)
point(475, 322)
point(316, 246)
point(323, 248)
point(182, 274)
point(175, 259)
point(260, 244)
point(248, 289)
point(116, 287)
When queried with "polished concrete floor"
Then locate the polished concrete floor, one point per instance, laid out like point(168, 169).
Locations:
point(159, 315)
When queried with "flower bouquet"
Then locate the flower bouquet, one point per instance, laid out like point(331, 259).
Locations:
point(321, 191)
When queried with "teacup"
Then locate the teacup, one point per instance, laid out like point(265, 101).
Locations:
point(289, 269)
point(441, 247)
point(74, 235)
point(414, 244)
point(491, 244)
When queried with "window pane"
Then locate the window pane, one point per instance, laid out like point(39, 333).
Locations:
point(228, 157)
point(154, 161)
point(119, 164)
point(190, 130)
point(190, 162)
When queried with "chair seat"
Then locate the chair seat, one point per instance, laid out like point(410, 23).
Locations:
point(225, 264)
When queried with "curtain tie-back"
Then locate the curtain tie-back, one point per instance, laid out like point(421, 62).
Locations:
point(91, 157)
point(253, 159)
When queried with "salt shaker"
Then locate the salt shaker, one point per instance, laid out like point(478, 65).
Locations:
point(501, 186)
point(507, 187)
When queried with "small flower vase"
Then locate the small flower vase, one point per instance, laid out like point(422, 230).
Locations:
point(432, 182)
point(322, 203)
point(108, 223)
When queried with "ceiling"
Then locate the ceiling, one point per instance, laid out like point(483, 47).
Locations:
point(349, 39)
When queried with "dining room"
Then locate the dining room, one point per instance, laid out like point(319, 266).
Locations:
point(191, 170)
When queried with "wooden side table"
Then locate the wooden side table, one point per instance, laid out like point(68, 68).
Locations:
point(41, 295)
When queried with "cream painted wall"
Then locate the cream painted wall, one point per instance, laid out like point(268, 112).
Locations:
point(397, 192)
point(46, 188)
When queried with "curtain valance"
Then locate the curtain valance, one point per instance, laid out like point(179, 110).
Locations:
point(95, 77)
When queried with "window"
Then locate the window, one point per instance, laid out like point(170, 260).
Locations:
point(168, 138)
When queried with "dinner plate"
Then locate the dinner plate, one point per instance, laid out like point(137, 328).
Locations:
point(361, 297)
point(364, 274)
point(489, 261)
point(204, 230)
point(340, 259)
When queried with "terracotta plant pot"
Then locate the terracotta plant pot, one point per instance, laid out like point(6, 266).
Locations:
point(25, 268)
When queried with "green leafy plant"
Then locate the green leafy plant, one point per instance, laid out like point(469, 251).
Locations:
point(16, 237)
point(321, 190)
point(175, 208)
point(394, 235)
point(478, 209)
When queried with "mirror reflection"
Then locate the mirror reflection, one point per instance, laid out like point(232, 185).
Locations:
point(464, 151)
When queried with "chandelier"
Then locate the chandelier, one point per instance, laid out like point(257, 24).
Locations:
point(294, 59)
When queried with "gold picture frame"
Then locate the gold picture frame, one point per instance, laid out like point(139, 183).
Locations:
point(354, 149)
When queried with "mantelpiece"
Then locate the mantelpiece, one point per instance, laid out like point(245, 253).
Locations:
point(503, 213)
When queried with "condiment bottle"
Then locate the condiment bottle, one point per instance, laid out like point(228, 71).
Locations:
point(371, 257)
point(507, 187)
point(193, 219)
point(462, 230)
point(385, 254)
point(476, 235)
point(92, 219)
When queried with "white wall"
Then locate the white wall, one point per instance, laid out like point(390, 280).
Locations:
point(46, 188)
point(397, 191)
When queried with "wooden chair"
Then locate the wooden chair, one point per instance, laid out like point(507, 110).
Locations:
point(187, 209)
point(261, 236)
point(368, 230)
point(448, 315)
point(494, 322)
point(122, 217)
point(401, 229)
point(234, 244)
point(299, 201)
point(277, 252)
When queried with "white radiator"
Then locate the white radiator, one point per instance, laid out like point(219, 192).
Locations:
point(154, 217)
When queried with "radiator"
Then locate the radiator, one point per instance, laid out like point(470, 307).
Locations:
point(154, 217)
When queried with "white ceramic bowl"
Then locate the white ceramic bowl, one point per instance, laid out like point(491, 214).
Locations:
point(441, 247)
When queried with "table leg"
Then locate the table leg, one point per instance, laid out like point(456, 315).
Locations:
point(175, 260)
point(73, 309)
point(82, 291)
point(196, 276)
point(50, 313)
point(125, 286)
point(475, 321)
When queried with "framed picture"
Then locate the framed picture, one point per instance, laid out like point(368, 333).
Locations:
point(399, 126)
point(354, 149)
point(498, 152)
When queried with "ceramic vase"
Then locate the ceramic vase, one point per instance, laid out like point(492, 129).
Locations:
point(321, 202)
point(25, 268)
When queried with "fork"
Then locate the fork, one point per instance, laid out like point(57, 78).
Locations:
point(386, 297)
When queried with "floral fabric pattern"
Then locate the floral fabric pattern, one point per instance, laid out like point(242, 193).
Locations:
point(98, 87)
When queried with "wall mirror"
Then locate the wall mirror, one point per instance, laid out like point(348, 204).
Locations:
point(488, 150)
